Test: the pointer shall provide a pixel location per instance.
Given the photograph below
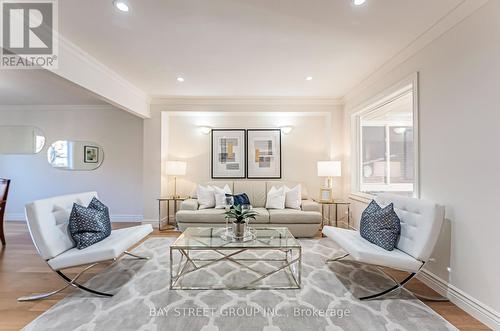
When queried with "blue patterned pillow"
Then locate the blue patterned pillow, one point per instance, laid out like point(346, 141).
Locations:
point(240, 199)
point(88, 226)
point(380, 226)
point(96, 204)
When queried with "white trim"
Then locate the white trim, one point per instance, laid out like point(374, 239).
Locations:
point(82, 69)
point(56, 107)
point(372, 104)
point(245, 113)
point(469, 304)
point(13, 217)
point(456, 15)
point(255, 100)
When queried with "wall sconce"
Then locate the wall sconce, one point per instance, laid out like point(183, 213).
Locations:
point(286, 129)
point(205, 129)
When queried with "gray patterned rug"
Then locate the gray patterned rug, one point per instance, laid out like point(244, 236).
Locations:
point(326, 301)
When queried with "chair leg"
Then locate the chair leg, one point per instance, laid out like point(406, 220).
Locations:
point(69, 282)
point(2, 235)
point(136, 256)
point(338, 258)
point(389, 290)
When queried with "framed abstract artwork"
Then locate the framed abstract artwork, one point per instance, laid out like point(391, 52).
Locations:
point(264, 153)
point(228, 153)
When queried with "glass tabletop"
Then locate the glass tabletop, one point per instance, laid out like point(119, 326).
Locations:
point(203, 238)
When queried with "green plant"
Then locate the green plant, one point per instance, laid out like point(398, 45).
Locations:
point(239, 214)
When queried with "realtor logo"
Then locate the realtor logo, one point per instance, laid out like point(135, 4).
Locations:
point(28, 34)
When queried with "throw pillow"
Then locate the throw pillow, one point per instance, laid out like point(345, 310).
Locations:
point(293, 197)
point(240, 199)
point(206, 197)
point(220, 196)
point(96, 204)
point(380, 226)
point(87, 226)
point(276, 198)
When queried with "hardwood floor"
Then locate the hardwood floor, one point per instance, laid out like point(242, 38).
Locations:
point(23, 272)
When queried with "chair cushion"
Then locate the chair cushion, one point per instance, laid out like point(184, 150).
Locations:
point(362, 250)
point(215, 216)
point(380, 226)
point(48, 222)
point(107, 249)
point(294, 216)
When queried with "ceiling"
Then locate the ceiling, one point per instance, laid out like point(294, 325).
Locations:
point(247, 47)
point(230, 48)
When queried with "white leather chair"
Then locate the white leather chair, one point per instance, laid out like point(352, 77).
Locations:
point(48, 226)
point(421, 223)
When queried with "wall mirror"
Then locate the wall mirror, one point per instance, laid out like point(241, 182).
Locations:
point(21, 139)
point(75, 155)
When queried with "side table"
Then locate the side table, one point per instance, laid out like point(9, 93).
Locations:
point(167, 217)
point(335, 203)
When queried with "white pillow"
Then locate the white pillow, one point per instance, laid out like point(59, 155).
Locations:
point(293, 197)
point(276, 198)
point(220, 196)
point(206, 197)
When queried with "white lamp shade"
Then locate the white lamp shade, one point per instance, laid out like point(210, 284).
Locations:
point(329, 169)
point(176, 168)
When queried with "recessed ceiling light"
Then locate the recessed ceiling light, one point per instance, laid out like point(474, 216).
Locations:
point(121, 5)
point(309, 78)
point(358, 2)
point(180, 79)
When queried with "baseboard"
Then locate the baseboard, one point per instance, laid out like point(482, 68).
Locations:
point(114, 218)
point(469, 304)
point(14, 217)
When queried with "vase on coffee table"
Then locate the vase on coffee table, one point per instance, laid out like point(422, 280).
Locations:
point(239, 215)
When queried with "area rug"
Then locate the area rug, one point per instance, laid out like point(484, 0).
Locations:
point(327, 300)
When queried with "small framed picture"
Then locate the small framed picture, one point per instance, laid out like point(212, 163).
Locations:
point(325, 195)
point(91, 154)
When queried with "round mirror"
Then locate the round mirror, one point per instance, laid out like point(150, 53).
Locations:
point(21, 139)
point(75, 155)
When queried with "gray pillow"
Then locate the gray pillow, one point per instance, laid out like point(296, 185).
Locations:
point(380, 226)
point(88, 225)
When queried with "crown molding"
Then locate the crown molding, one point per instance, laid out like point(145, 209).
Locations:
point(56, 107)
point(456, 15)
point(247, 100)
point(81, 68)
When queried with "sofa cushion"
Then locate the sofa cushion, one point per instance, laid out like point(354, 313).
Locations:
point(279, 183)
point(215, 216)
point(107, 249)
point(293, 216)
point(256, 191)
point(276, 198)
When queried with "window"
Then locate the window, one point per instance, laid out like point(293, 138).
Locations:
point(386, 144)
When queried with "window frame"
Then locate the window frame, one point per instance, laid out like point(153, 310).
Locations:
point(409, 84)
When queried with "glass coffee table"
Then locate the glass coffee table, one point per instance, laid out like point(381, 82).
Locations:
point(201, 259)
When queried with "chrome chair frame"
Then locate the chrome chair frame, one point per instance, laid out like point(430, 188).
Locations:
point(72, 281)
point(398, 284)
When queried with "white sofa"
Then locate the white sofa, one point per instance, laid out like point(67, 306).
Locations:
point(421, 223)
point(304, 222)
point(48, 225)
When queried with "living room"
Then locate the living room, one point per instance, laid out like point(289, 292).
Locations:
point(237, 165)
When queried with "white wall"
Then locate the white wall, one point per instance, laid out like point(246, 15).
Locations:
point(119, 179)
point(317, 135)
point(308, 143)
point(459, 157)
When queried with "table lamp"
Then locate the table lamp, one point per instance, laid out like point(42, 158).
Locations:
point(176, 168)
point(328, 169)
